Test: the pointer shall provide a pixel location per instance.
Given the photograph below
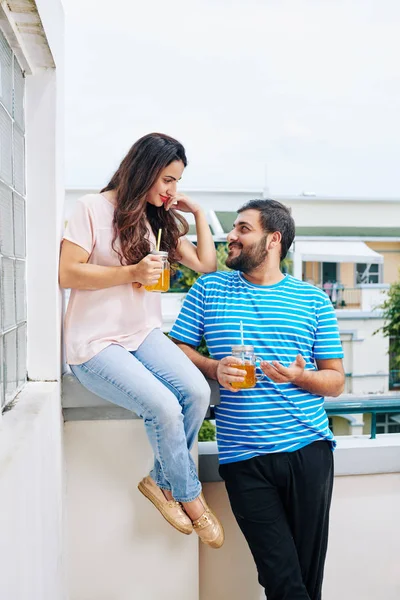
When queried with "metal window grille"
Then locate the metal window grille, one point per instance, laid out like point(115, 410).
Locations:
point(12, 226)
point(387, 423)
point(366, 273)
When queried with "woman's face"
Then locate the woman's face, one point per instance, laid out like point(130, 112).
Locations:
point(165, 186)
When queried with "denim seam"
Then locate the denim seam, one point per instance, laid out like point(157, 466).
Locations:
point(154, 419)
point(171, 387)
point(162, 487)
point(191, 498)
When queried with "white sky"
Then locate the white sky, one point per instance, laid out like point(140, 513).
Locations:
point(309, 87)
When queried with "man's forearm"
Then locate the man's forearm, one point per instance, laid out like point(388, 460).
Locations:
point(326, 382)
point(208, 366)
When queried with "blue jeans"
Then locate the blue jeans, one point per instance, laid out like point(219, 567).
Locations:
point(160, 384)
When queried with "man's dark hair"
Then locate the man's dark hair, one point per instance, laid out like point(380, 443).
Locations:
point(274, 216)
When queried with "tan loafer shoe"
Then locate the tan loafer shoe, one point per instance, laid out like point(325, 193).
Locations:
point(171, 510)
point(209, 528)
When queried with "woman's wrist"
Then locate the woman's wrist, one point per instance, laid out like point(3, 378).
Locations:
point(131, 273)
point(198, 211)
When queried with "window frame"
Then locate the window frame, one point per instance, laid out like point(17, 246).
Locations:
point(13, 243)
point(379, 273)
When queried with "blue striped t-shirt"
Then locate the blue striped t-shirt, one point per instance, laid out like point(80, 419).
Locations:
point(280, 321)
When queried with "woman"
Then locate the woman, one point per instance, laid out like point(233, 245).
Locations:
point(114, 343)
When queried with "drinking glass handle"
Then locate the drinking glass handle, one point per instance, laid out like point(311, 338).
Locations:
point(260, 376)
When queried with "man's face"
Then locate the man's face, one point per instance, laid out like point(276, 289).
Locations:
point(247, 242)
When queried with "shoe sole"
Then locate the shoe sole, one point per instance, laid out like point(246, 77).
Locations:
point(143, 489)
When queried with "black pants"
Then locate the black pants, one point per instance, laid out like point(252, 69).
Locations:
point(281, 503)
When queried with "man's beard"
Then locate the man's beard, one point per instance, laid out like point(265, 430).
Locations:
point(250, 258)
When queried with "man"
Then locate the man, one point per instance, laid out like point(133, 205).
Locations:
point(275, 446)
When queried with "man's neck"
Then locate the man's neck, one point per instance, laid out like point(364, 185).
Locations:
point(264, 276)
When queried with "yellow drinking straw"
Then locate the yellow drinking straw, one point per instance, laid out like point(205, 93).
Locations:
point(158, 240)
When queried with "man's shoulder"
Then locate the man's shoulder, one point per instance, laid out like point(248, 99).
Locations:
point(217, 279)
point(303, 288)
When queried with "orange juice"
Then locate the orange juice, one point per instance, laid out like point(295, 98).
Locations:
point(250, 377)
point(162, 284)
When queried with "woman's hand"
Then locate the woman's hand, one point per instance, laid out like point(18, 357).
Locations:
point(182, 203)
point(147, 271)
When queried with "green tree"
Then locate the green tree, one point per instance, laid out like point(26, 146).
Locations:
point(184, 277)
point(391, 321)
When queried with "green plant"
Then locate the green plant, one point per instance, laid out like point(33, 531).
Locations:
point(287, 265)
point(222, 253)
point(207, 432)
point(183, 277)
point(391, 321)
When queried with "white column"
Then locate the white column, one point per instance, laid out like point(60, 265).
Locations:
point(297, 265)
point(45, 196)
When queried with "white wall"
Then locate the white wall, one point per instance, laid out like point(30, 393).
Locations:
point(31, 492)
point(307, 212)
point(31, 473)
point(349, 213)
point(363, 554)
point(370, 359)
point(120, 547)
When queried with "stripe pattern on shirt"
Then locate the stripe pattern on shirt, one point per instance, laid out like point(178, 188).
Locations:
point(282, 320)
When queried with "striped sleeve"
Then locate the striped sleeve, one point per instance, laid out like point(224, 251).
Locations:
point(327, 342)
point(189, 326)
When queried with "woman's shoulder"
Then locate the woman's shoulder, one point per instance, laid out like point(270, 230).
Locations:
point(93, 201)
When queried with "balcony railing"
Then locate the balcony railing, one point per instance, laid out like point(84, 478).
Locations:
point(366, 297)
point(344, 297)
point(388, 404)
point(345, 404)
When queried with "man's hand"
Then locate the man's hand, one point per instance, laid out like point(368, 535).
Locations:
point(280, 374)
point(226, 372)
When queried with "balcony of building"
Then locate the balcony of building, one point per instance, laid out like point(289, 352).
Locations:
point(113, 532)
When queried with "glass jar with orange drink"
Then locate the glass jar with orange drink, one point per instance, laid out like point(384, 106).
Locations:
point(163, 283)
point(249, 364)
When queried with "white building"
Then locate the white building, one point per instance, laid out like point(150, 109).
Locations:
point(72, 524)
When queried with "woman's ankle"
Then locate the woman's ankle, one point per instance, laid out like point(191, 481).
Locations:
point(167, 494)
point(194, 509)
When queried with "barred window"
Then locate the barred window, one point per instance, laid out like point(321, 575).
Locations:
point(12, 226)
point(387, 423)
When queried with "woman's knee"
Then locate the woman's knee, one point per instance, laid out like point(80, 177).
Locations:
point(197, 391)
point(166, 411)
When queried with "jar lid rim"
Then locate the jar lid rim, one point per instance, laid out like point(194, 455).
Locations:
point(243, 347)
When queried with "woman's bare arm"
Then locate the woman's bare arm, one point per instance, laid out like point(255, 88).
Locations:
point(76, 273)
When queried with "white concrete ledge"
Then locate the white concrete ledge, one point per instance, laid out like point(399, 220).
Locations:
point(359, 455)
point(19, 421)
point(81, 405)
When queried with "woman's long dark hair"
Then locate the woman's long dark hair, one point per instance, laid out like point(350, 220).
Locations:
point(137, 173)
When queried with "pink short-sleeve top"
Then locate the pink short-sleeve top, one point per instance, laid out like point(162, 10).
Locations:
point(120, 314)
